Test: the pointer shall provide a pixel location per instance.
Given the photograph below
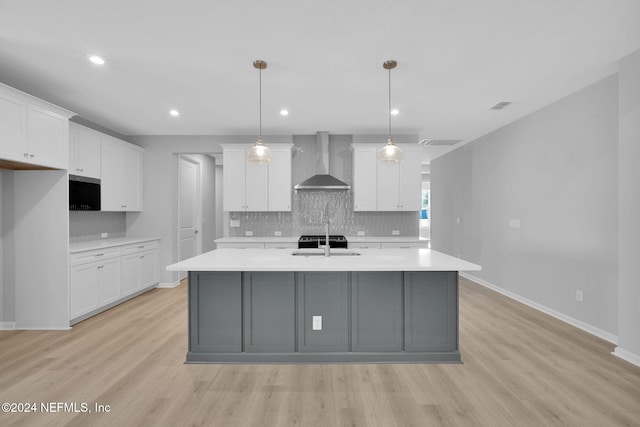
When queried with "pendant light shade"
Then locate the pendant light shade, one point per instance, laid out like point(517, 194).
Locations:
point(259, 153)
point(390, 152)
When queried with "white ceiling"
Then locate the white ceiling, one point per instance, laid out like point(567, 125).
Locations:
point(456, 58)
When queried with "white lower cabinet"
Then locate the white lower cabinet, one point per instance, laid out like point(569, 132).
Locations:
point(139, 267)
point(94, 285)
point(100, 278)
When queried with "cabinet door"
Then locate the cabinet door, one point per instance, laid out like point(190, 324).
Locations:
point(149, 269)
point(410, 188)
point(131, 179)
point(111, 180)
point(324, 295)
point(388, 186)
point(83, 291)
point(109, 281)
point(269, 312)
point(364, 179)
point(233, 180)
point(87, 153)
point(48, 138)
point(431, 315)
point(280, 180)
point(13, 124)
point(74, 168)
point(130, 274)
point(376, 310)
point(256, 187)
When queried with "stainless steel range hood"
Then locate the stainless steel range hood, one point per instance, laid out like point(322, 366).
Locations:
point(322, 180)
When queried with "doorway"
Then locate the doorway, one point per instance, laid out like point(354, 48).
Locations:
point(189, 208)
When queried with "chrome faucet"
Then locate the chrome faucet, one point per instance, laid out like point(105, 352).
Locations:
point(327, 246)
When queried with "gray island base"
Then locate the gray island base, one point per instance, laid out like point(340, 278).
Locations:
point(323, 317)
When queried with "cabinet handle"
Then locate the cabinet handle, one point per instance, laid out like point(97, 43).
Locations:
point(140, 247)
point(26, 154)
point(100, 266)
point(97, 255)
point(32, 155)
point(142, 257)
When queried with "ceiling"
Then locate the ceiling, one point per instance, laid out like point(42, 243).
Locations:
point(456, 58)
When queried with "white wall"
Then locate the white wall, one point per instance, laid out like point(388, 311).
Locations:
point(629, 210)
point(7, 290)
point(556, 171)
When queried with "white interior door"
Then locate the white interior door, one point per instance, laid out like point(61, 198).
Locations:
point(189, 211)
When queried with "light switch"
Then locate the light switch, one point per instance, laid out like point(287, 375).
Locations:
point(458, 220)
point(316, 323)
point(234, 223)
point(395, 232)
point(248, 233)
point(360, 233)
point(277, 233)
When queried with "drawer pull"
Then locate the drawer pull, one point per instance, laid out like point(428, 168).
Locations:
point(97, 255)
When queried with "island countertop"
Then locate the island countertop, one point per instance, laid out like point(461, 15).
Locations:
point(283, 260)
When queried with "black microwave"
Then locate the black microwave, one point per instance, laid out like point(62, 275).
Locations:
point(84, 193)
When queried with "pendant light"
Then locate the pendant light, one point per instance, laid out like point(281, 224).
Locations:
point(259, 153)
point(390, 152)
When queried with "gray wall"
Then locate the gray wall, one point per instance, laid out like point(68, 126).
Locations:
point(7, 286)
point(556, 171)
point(629, 208)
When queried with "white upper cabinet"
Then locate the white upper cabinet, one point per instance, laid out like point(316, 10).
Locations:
point(386, 186)
point(121, 176)
point(364, 179)
point(32, 132)
point(280, 179)
point(256, 187)
point(84, 151)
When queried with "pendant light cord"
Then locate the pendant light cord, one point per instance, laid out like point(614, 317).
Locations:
point(389, 111)
point(260, 103)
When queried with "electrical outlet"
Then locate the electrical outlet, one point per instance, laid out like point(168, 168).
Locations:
point(104, 235)
point(248, 233)
point(458, 220)
point(316, 323)
point(277, 233)
point(360, 233)
point(514, 223)
point(579, 295)
point(395, 232)
point(234, 223)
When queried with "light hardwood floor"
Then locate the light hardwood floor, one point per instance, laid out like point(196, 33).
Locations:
point(521, 368)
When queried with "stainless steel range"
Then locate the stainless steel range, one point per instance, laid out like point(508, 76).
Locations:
point(315, 241)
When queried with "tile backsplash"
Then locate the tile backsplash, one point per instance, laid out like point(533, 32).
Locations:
point(307, 216)
point(89, 225)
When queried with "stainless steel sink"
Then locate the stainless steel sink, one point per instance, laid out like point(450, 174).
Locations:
point(320, 252)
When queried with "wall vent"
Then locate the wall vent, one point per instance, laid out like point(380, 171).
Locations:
point(438, 142)
point(500, 105)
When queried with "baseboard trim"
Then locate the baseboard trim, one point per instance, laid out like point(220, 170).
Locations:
point(7, 326)
point(551, 312)
point(626, 355)
point(168, 285)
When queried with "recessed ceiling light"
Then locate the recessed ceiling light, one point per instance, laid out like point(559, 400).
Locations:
point(96, 59)
point(174, 113)
point(284, 112)
point(395, 112)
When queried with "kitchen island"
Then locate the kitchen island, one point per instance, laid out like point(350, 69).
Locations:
point(296, 306)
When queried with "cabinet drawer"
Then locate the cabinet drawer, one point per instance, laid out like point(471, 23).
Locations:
point(240, 245)
point(403, 245)
point(364, 245)
point(283, 245)
point(94, 255)
point(140, 247)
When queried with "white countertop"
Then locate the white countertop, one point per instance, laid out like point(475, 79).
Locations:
point(282, 260)
point(107, 243)
point(294, 239)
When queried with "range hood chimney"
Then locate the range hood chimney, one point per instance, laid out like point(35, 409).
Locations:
point(322, 180)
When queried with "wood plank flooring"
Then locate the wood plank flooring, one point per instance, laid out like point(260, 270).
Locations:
point(521, 368)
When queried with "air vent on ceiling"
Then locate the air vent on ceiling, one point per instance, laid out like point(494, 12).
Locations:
point(500, 105)
point(439, 142)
